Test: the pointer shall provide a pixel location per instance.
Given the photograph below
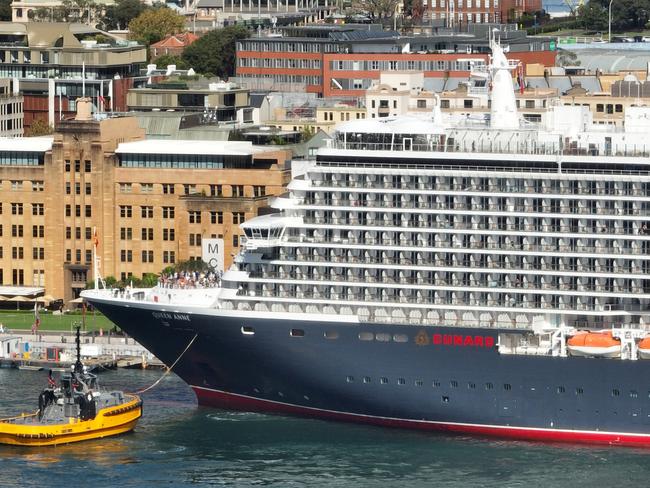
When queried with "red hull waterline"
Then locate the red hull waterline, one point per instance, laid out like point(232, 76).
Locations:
point(232, 401)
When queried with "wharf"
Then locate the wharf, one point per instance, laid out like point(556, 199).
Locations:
point(50, 349)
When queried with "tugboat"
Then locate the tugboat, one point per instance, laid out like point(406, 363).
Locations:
point(72, 411)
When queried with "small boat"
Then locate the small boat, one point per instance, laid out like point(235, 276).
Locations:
point(643, 348)
point(73, 410)
point(594, 344)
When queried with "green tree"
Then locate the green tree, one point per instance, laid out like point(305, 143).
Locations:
point(152, 25)
point(5, 10)
point(118, 15)
point(167, 59)
point(214, 53)
point(39, 127)
point(376, 9)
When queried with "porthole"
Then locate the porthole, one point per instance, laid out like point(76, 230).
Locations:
point(401, 381)
point(366, 336)
point(436, 384)
point(383, 380)
point(366, 379)
point(453, 384)
point(297, 333)
point(381, 337)
point(560, 389)
point(507, 387)
point(349, 379)
point(445, 399)
point(400, 338)
point(331, 334)
point(489, 386)
point(419, 383)
point(247, 330)
point(615, 392)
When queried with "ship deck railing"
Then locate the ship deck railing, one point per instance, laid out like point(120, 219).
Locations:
point(480, 146)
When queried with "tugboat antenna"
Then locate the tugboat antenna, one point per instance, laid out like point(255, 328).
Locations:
point(78, 367)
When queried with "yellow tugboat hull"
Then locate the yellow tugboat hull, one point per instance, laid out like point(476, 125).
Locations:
point(108, 422)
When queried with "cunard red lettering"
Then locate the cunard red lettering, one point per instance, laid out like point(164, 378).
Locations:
point(458, 340)
point(437, 339)
point(469, 341)
point(489, 341)
point(478, 341)
point(447, 339)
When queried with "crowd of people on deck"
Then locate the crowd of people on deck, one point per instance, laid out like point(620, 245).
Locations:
point(190, 279)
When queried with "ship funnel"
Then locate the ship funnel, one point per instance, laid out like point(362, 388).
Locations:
point(503, 113)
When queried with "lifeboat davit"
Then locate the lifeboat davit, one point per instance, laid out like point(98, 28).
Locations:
point(644, 348)
point(596, 344)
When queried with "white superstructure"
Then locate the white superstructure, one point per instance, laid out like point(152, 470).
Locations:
point(488, 223)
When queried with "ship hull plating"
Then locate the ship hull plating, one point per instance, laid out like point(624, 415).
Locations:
point(436, 378)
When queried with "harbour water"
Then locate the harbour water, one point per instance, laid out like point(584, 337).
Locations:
point(177, 443)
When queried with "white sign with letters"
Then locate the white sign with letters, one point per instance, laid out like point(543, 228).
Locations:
point(212, 253)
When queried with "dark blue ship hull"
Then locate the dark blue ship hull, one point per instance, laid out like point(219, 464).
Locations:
point(437, 378)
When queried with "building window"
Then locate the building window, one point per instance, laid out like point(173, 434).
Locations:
point(235, 241)
point(68, 233)
point(168, 212)
point(146, 212)
point(68, 255)
point(67, 165)
point(126, 211)
point(168, 188)
point(88, 189)
point(216, 217)
point(195, 216)
point(126, 187)
point(38, 253)
point(38, 209)
point(87, 166)
point(37, 230)
point(89, 233)
point(38, 185)
point(238, 191)
point(16, 231)
point(77, 210)
point(169, 257)
point(16, 185)
point(77, 166)
point(169, 234)
point(216, 190)
point(126, 233)
point(195, 239)
point(147, 256)
point(77, 232)
point(147, 234)
point(88, 211)
point(77, 188)
point(67, 188)
point(126, 256)
point(238, 217)
point(189, 189)
point(18, 277)
point(259, 191)
point(16, 209)
point(17, 253)
point(146, 187)
point(68, 212)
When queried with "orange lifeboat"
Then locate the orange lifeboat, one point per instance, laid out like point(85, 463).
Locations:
point(644, 348)
point(596, 344)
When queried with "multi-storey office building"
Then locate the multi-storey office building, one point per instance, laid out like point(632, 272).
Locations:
point(152, 202)
point(11, 108)
point(56, 63)
point(467, 12)
point(343, 61)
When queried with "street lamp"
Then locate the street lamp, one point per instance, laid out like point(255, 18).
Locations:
point(609, 37)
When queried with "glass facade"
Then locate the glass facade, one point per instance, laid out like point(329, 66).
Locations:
point(184, 161)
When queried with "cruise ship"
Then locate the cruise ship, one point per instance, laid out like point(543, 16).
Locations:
point(482, 275)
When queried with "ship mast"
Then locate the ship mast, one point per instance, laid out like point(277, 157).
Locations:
point(503, 112)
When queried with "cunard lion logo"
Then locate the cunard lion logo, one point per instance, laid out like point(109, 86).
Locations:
point(422, 339)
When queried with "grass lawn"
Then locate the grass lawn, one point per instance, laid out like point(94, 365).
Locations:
point(24, 320)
